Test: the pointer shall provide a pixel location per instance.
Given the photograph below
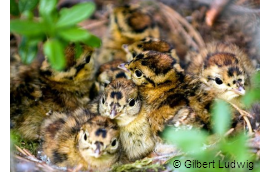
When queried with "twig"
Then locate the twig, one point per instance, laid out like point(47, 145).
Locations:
point(235, 8)
point(28, 153)
point(242, 112)
point(95, 24)
point(22, 158)
point(229, 132)
point(191, 30)
point(245, 116)
point(173, 15)
point(216, 8)
point(37, 162)
point(219, 154)
point(248, 125)
point(77, 168)
point(176, 26)
point(20, 150)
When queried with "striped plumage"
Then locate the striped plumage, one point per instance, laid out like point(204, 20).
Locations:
point(80, 138)
point(127, 24)
point(35, 93)
point(167, 92)
point(223, 68)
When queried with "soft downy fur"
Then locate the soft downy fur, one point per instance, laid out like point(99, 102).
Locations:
point(224, 68)
point(108, 72)
point(81, 138)
point(127, 24)
point(167, 92)
point(121, 102)
point(36, 93)
point(149, 43)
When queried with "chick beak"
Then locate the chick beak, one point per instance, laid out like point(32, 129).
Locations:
point(113, 112)
point(240, 90)
point(97, 151)
point(125, 47)
point(123, 66)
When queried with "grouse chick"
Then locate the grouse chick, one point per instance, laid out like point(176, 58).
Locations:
point(121, 102)
point(149, 43)
point(81, 138)
point(167, 92)
point(127, 24)
point(35, 92)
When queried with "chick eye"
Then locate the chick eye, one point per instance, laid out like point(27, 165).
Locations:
point(114, 143)
point(85, 137)
point(218, 81)
point(138, 73)
point(103, 100)
point(132, 102)
point(134, 54)
point(87, 59)
point(139, 45)
point(105, 84)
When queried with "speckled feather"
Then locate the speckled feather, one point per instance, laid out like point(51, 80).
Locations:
point(36, 93)
point(74, 138)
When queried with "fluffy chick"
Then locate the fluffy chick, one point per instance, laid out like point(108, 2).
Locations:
point(167, 92)
point(108, 72)
point(80, 138)
point(35, 92)
point(149, 43)
point(223, 68)
point(127, 24)
point(121, 102)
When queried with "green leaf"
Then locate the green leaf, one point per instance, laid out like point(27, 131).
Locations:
point(221, 117)
point(27, 15)
point(79, 50)
point(188, 140)
point(47, 6)
point(93, 41)
point(251, 97)
point(25, 5)
point(236, 148)
point(53, 49)
point(26, 27)
point(14, 10)
point(256, 79)
point(74, 34)
point(28, 50)
point(75, 14)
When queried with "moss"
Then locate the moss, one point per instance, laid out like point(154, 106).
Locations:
point(145, 164)
point(16, 139)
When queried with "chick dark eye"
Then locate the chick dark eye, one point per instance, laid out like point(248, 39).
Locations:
point(138, 73)
point(85, 137)
point(132, 103)
point(87, 59)
point(113, 143)
point(139, 45)
point(105, 84)
point(103, 100)
point(218, 81)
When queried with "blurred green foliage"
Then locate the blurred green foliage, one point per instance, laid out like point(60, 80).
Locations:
point(198, 146)
point(254, 94)
point(55, 29)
